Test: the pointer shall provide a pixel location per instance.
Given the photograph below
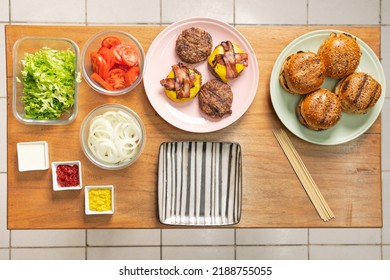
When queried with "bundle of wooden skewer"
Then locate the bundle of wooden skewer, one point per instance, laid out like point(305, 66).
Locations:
point(304, 176)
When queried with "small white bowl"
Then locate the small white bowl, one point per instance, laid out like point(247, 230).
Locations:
point(88, 210)
point(33, 156)
point(56, 186)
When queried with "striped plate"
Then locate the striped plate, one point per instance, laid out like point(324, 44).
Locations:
point(199, 183)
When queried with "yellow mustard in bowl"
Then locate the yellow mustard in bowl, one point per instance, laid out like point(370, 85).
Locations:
point(100, 200)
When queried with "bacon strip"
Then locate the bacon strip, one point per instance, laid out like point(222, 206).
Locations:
point(168, 83)
point(241, 58)
point(182, 82)
point(229, 58)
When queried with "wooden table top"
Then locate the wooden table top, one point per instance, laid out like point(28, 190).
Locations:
point(348, 175)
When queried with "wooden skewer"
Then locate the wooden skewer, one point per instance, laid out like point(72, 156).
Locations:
point(308, 176)
point(304, 176)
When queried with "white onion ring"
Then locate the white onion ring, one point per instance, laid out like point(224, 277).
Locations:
point(114, 137)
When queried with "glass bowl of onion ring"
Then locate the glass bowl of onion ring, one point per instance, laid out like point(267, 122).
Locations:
point(112, 136)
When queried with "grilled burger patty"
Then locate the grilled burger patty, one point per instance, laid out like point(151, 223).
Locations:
point(215, 99)
point(194, 45)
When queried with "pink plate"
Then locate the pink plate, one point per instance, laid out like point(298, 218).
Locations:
point(187, 116)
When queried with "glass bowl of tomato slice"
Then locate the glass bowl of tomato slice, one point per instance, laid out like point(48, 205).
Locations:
point(113, 62)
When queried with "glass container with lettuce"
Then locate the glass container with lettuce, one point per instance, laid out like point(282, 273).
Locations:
point(47, 80)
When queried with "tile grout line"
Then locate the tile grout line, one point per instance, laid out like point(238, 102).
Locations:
point(234, 12)
point(199, 246)
point(161, 245)
point(86, 12)
point(307, 12)
point(9, 11)
point(59, 247)
point(9, 245)
point(308, 244)
point(381, 244)
point(86, 244)
point(160, 12)
point(235, 243)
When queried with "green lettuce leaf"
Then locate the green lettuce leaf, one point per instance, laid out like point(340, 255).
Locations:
point(49, 81)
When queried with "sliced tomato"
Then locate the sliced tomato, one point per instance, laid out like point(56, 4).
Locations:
point(96, 77)
point(108, 56)
point(116, 79)
point(111, 41)
point(132, 75)
point(125, 54)
point(117, 54)
point(99, 65)
point(129, 56)
point(124, 67)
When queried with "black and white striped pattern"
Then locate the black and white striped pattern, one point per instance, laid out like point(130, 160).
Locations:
point(199, 183)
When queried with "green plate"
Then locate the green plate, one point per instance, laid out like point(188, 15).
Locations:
point(350, 126)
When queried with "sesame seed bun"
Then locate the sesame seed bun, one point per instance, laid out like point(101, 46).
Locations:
point(302, 72)
point(358, 93)
point(341, 54)
point(319, 110)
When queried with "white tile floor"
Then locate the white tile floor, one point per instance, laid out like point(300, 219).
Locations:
point(197, 243)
